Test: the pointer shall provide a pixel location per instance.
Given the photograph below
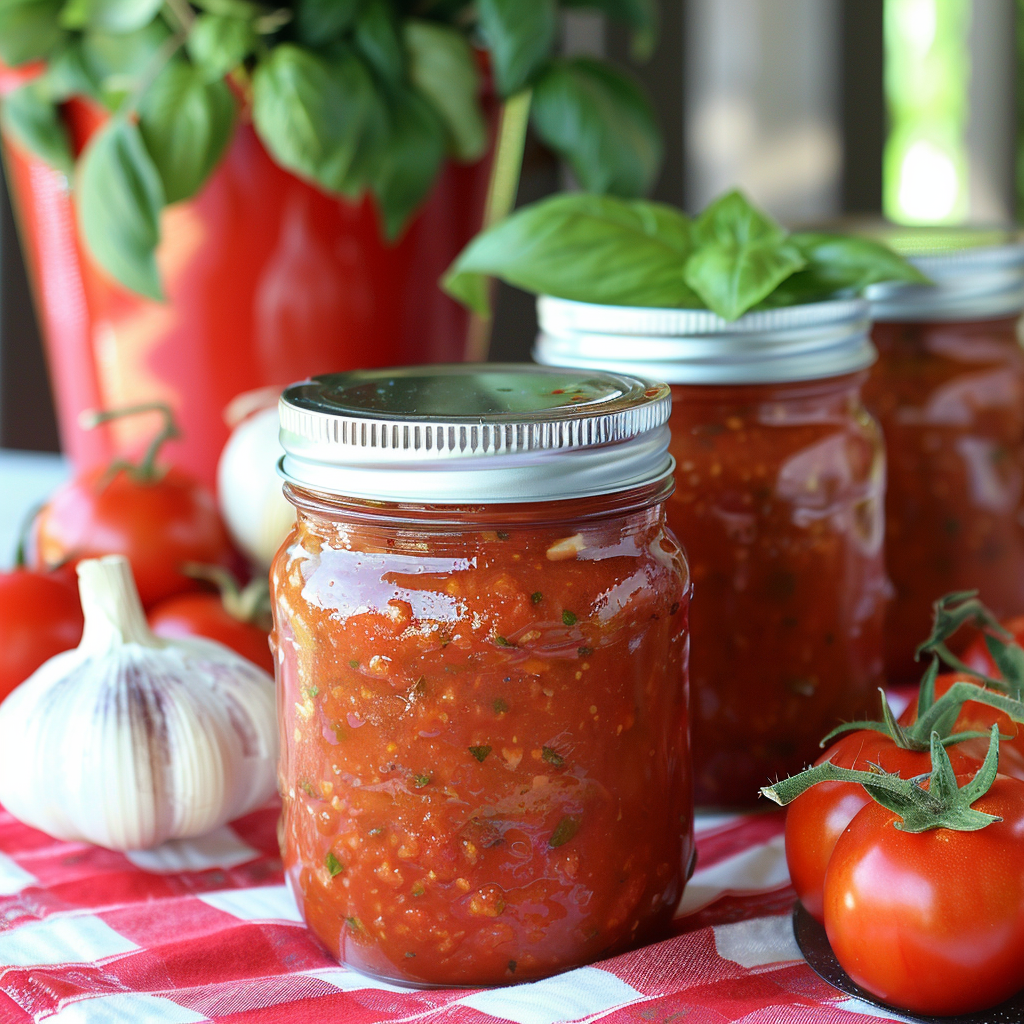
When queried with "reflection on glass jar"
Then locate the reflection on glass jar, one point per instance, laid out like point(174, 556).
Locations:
point(780, 477)
point(950, 397)
point(485, 768)
point(779, 496)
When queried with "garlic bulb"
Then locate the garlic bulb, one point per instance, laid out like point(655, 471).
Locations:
point(257, 514)
point(130, 739)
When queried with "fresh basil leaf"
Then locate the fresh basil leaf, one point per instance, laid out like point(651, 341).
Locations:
point(520, 35)
point(584, 247)
point(29, 29)
point(186, 123)
point(377, 39)
point(116, 62)
point(732, 217)
point(218, 43)
point(318, 22)
point(408, 161)
point(847, 261)
point(442, 68)
point(740, 256)
point(600, 123)
point(316, 116)
point(118, 196)
point(35, 123)
point(109, 15)
point(640, 15)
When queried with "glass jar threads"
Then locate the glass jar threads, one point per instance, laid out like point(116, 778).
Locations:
point(948, 389)
point(481, 637)
point(778, 502)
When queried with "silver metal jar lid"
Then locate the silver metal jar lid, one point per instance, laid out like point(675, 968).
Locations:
point(694, 346)
point(977, 274)
point(474, 433)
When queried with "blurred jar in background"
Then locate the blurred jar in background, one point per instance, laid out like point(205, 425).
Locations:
point(948, 389)
point(779, 487)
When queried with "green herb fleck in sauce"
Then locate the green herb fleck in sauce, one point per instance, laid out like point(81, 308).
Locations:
point(480, 753)
point(569, 618)
point(565, 830)
point(553, 757)
point(333, 865)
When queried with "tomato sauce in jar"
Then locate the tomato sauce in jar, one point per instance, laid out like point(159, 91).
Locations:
point(778, 501)
point(948, 389)
point(481, 652)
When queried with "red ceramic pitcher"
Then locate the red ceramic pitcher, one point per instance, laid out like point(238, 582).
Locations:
point(268, 279)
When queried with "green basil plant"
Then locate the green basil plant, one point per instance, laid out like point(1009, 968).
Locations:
point(352, 95)
point(731, 258)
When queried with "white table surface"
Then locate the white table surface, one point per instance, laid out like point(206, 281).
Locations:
point(26, 478)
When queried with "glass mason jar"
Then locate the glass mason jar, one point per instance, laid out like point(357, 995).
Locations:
point(779, 485)
point(481, 643)
point(948, 389)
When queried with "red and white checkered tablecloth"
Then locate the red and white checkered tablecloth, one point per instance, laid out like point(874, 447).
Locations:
point(205, 930)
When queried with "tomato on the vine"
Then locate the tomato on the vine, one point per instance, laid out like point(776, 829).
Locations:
point(816, 820)
point(205, 615)
point(40, 616)
point(933, 921)
point(158, 518)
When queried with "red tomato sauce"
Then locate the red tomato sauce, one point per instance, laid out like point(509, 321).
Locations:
point(950, 397)
point(778, 504)
point(485, 764)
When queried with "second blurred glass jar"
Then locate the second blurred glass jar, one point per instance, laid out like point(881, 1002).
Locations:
point(779, 485)
point(948, 389)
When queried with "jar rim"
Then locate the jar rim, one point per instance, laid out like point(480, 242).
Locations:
point(689, 346)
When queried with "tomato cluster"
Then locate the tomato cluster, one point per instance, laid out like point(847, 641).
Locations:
point(928, 915)
point(163, 521)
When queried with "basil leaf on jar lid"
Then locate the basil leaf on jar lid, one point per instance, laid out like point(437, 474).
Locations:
point(584, 247)
point(599, 122)
point(186, 123)
point(740, 256)
point(119, 196)
point(520, 35)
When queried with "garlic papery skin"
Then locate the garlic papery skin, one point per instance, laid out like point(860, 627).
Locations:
point(130, 739)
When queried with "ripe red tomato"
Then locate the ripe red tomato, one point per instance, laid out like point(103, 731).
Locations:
point(157, 524)
point(205, 615)
point(816, 819)
point(932, 922)
point(40, 616)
